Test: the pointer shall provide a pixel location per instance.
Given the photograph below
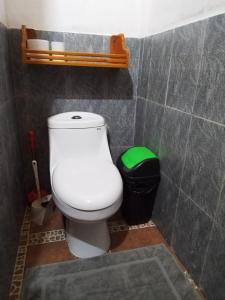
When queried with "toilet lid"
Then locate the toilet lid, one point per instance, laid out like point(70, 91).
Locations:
point(87, 184)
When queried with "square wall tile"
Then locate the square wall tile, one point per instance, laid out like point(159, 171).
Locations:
point(50, 36)
point(175, 130)
point(153, 125)
point(144, 67)
point(84, 42)
point(220, 212)
point(86, 83)
point(101, 83)
point(213, 274)
point(45, 81)
point(210, 97)
point(191, 235)
point(134, 45)
point(212, 71)
point(165, 207)
point(204, 165)
point(159, 66)
point(185, 65)
point(140, 121)
point(210, 103)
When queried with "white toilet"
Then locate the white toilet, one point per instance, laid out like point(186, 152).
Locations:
point(86, 185)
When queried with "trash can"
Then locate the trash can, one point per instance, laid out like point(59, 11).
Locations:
point(140, 171)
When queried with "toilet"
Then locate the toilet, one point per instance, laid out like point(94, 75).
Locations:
point(86, 185)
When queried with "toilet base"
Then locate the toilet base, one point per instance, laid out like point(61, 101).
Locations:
point(87, 239)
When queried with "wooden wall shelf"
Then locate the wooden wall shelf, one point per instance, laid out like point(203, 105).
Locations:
point(117, 58)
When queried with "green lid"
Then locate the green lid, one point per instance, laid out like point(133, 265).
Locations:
point(135, 155)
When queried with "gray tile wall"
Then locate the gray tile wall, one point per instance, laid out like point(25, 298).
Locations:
point(181, 116)
point(41, 91)
point(12, 199)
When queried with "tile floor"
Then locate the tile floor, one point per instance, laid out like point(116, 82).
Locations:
point(46, 244)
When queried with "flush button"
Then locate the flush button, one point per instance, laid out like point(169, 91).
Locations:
point(76, 117)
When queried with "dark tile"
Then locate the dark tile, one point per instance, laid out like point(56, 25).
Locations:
point(144, 67)
point(174, 137)
point(5, 79)
point(165, 207)
point(159, 66)
point(191, 235)
point(213, 274)
point(98, 83)
point(11, 201)
point(50, 35)
point(188, 42)
point(210, 103)
point(119, 116)
point(131, 77)
point(220, 212)
point(140, 121)
point(18, 70)
point(185, 65)
point(133, 44)
point(215, 35)
point(86, 83)
point(205, 158)
point(212, 71)
point(84, 42)
point(106, 44)
point(153, 126)
point(45, 81)
point(122, 83)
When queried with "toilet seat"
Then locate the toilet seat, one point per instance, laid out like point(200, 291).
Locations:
point(87, 184)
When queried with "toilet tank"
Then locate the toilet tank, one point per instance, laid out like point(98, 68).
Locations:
point(77, 135)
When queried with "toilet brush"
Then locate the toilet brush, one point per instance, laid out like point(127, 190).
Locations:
point(39, 199)
point(38, 209)
point(38, 192)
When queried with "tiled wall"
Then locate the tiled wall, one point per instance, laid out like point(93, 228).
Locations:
point(41, 91)
point(11, 193)
point(181, 116)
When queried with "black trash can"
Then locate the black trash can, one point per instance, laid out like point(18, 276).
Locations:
point(140, 171)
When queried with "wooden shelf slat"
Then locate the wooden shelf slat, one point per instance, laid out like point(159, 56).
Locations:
point(75, 58)
point(117, 58)
point(76, 53)
point(77, 64)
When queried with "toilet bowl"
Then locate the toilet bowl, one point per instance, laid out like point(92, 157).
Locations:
point(86, 185)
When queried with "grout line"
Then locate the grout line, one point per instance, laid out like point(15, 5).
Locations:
point(135, 119)
point(149, 71)
point(214, 223)
point(199, 207)
point(138, 77)
point(184, 112)
point(200, 64)
point(180, 182)
point(170, 62)
point(144, 125)
point(164, 106)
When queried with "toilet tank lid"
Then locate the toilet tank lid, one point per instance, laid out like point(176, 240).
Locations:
point(75, 119)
